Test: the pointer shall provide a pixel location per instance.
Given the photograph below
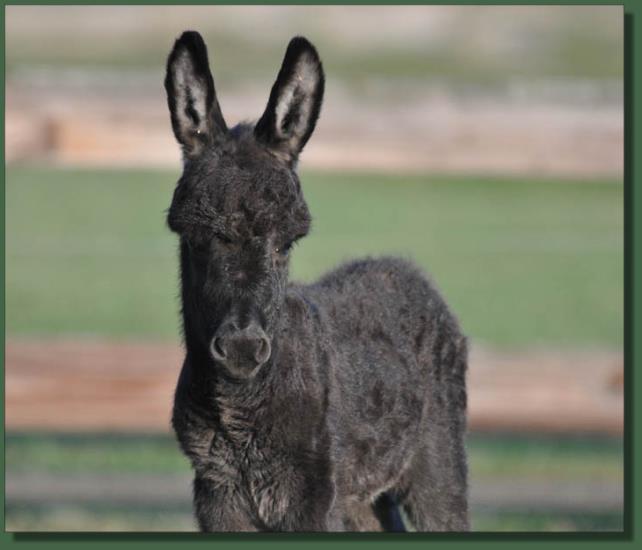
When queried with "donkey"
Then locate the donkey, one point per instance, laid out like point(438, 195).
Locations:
point(318, 407)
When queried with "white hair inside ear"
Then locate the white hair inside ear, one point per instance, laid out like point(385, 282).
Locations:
point(191, 96)
point(296, 98)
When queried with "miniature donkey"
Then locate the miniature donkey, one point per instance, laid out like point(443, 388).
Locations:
point(315, 407)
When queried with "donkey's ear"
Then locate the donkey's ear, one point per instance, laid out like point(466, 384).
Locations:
point(295, 101)
point(196, 116)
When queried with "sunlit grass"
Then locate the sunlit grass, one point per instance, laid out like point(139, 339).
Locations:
point(561, 458)
point(523, 263)
point(489, 456)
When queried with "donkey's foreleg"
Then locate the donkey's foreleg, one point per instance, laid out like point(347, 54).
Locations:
point(217, 510)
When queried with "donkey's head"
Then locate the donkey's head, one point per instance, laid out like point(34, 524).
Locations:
point(238, 206)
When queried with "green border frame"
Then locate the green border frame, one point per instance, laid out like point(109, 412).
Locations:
point(630, 537)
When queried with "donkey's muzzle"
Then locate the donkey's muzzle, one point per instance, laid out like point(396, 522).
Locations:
point(240, 349)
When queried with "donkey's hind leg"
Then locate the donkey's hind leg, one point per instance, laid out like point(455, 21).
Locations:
point(435, 486)
point(435, 498)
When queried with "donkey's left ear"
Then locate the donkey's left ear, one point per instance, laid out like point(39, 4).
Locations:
point(295, 102)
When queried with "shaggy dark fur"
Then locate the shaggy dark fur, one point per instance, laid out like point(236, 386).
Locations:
point(301, 407)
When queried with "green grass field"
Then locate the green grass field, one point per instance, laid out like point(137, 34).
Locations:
point(523, 263)
point(539, 457)
point(146, 457)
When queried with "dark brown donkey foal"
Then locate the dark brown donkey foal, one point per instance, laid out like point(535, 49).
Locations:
point(317, 407)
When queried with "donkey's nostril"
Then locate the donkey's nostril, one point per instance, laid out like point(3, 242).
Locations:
point(240, 349)
point(217, 348)
point(263, 350)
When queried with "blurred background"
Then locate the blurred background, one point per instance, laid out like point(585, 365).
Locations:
point(485, 142)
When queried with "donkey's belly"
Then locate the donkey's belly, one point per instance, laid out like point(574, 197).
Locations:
point(378, 427)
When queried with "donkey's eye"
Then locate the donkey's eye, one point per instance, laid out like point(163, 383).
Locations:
point(223, 238)
point(285, 249)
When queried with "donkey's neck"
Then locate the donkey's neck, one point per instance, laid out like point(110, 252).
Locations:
point(238, 410)
point(284, 395)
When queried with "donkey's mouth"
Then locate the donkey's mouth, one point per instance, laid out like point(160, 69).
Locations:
point(239, 368)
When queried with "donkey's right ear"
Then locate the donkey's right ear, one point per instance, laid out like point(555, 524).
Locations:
point(196, 116)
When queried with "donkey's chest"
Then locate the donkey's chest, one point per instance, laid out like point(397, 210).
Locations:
point(261, 476)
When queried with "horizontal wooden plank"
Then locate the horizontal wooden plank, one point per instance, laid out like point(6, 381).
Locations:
point(98, 385)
